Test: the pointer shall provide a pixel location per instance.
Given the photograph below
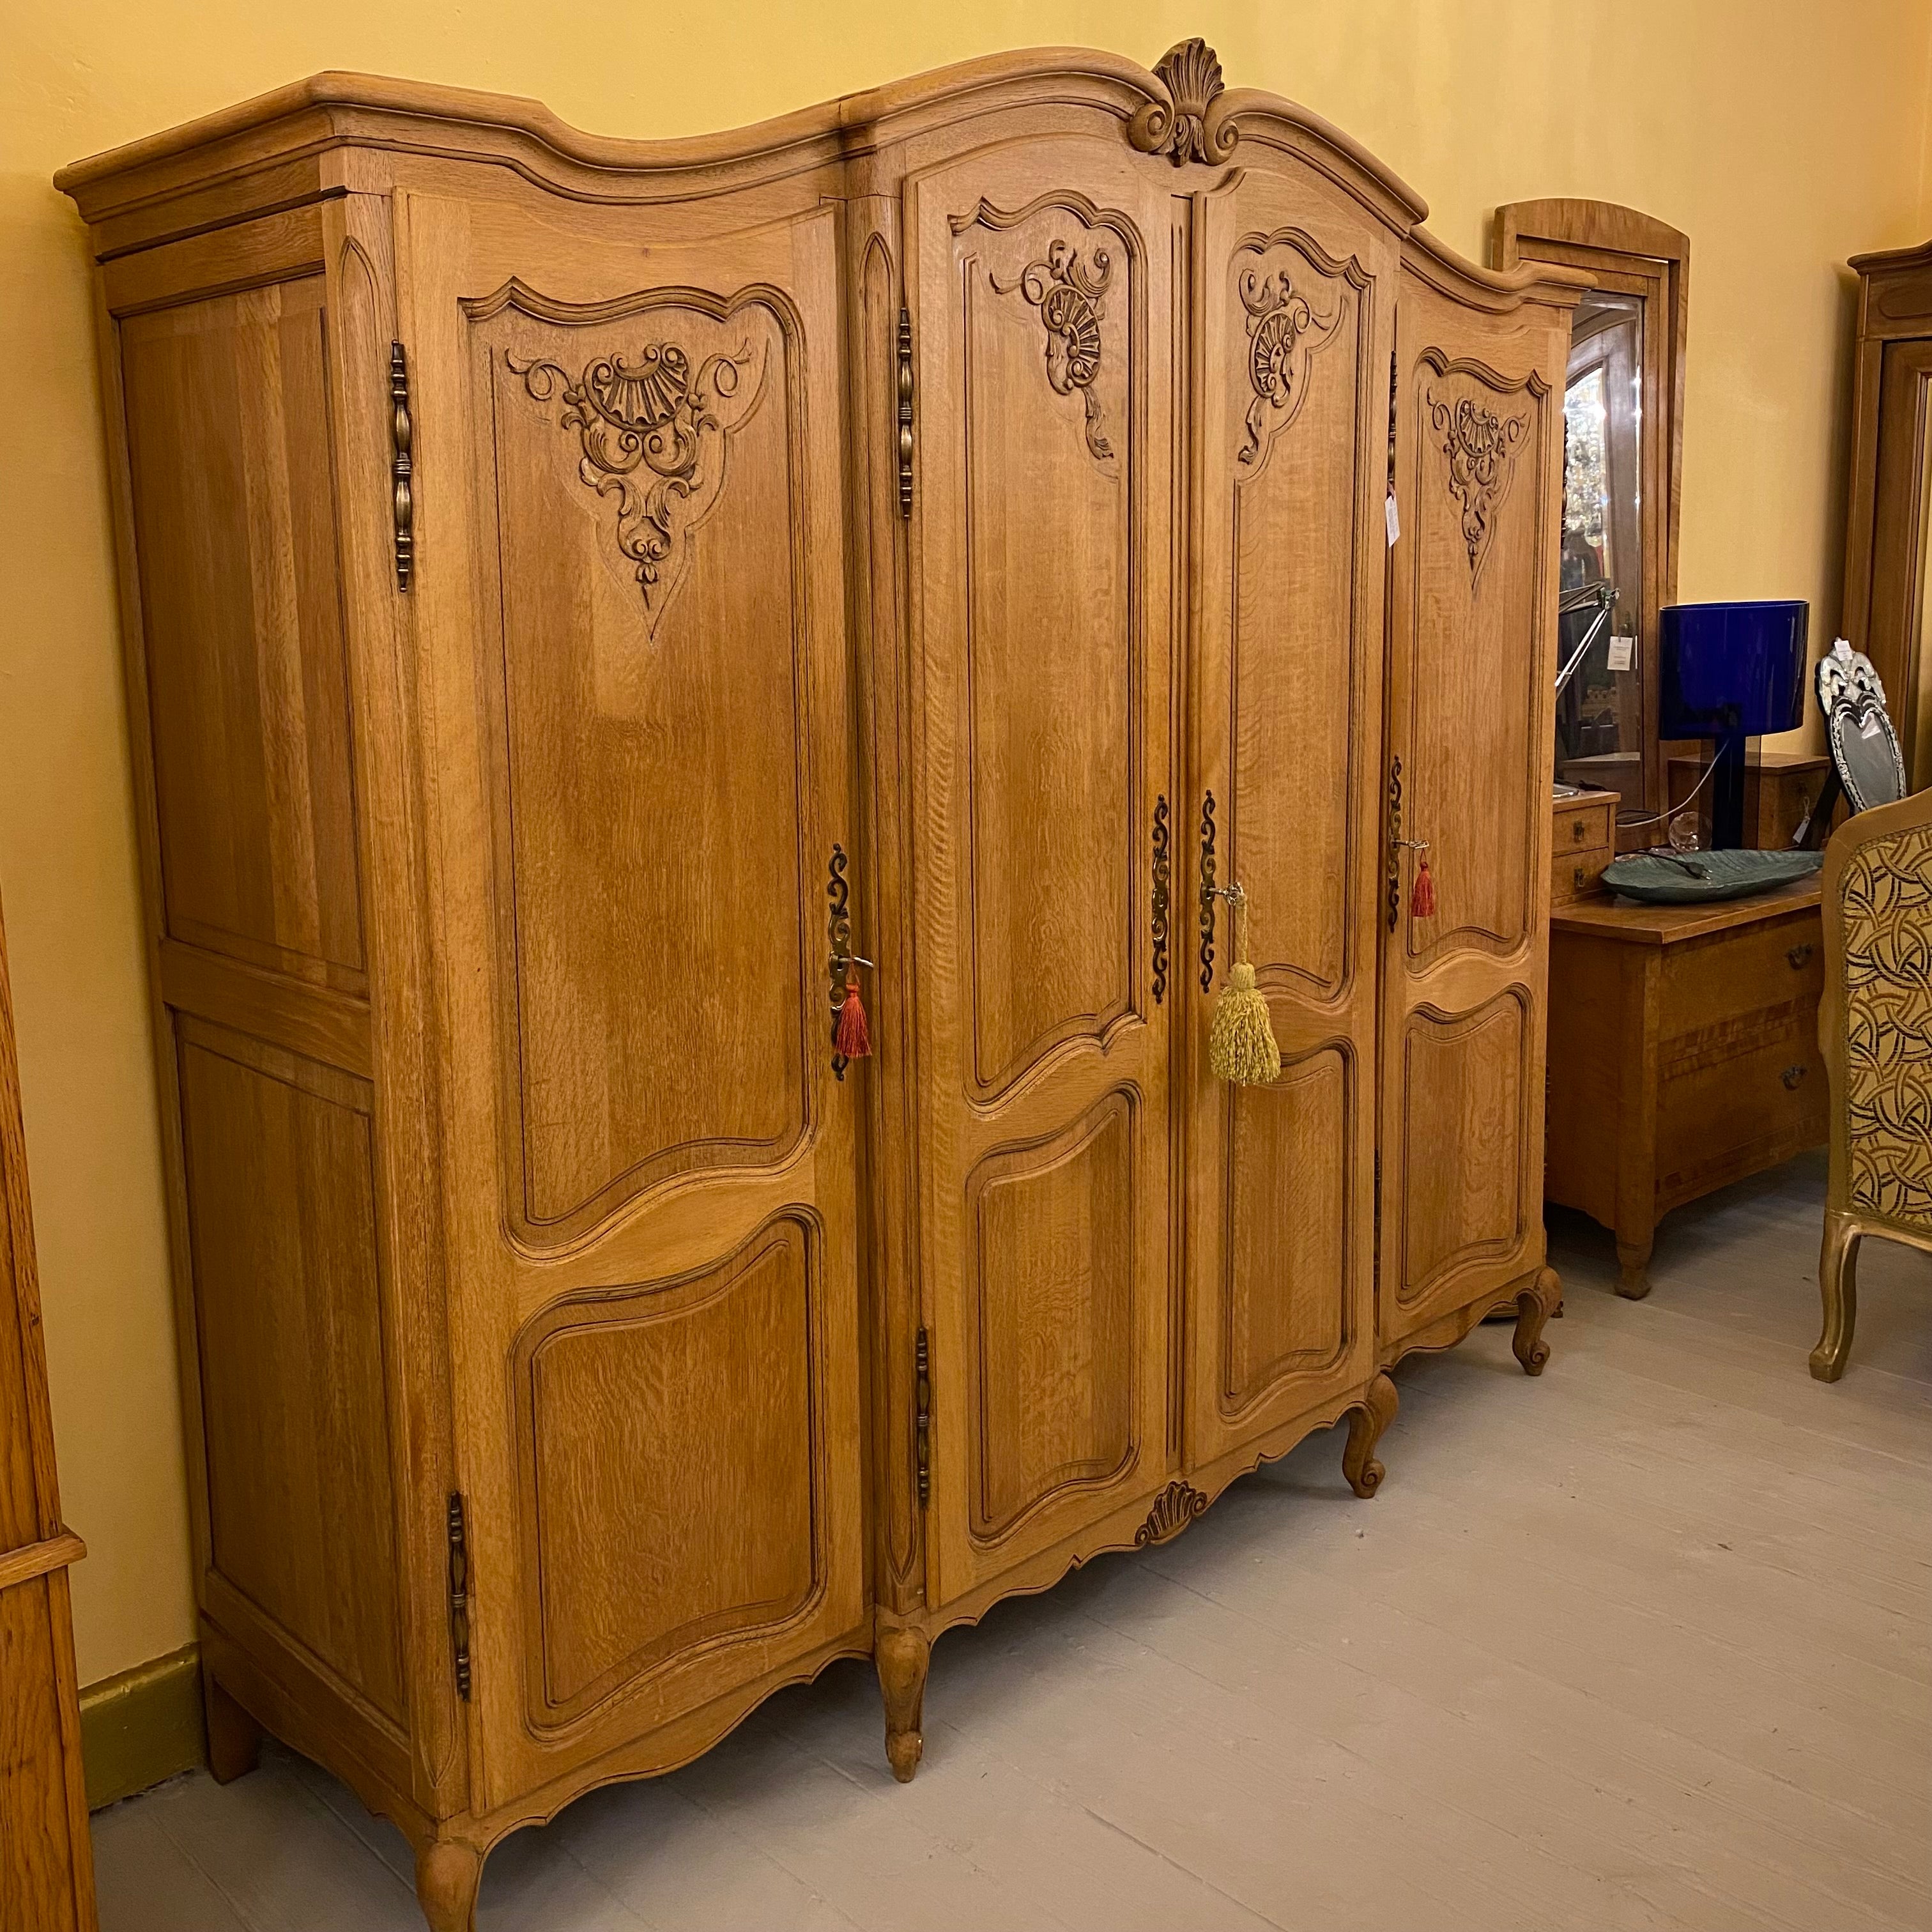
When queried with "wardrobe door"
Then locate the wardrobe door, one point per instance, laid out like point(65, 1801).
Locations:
point(1297, 326)
point(1478, 469)
point(629, 596)
point(1042, 283)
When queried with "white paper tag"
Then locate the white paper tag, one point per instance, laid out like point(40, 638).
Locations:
point(1393, 518)
point(1623, 653)
point(1868, 727)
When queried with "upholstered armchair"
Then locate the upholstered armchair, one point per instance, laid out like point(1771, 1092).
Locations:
point(1875, 1030)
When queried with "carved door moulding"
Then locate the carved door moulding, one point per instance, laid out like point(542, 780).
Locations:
point(1285, 330)
point(654, 423)
point(1067, 291)
point(1480, 447)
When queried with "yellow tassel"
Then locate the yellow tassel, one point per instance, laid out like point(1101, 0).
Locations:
point(1241, 1046)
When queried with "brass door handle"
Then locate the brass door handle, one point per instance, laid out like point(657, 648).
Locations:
point(1793, 1074)
point(1163, 871)
point(1797, 956)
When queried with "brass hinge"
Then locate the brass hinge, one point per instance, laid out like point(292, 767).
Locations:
point(922, 1418)
point(905, 412)
point(459, 1593)
point(401, 472)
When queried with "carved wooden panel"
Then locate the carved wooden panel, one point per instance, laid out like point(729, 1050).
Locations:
point(672, 1461)
point(1288, 1179)
point(1297, 330)
point(1052, 1287)
point(1477, 567)
point(1477, 449)
point(1046, 280)
point(228, 446)
point(280, 1186)
point(1296, 326)
point(1466, 1193)
point(1048, 295)
point(645, 490)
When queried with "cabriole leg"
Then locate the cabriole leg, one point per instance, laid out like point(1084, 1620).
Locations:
point(1366, 1421)
point(448, 1877)
point(1633, 1262)
point(900, 1657)
point(1837, 1282)
point(234, 1738)
point(1533, 1307)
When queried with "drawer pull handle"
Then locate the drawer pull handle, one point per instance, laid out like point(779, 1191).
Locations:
point(1579, 875)
point(1793, 1074)
point(1577, 830)
point(1796, 959)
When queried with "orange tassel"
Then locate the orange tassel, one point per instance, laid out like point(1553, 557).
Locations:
point(853, 1039)
point(1422, 897)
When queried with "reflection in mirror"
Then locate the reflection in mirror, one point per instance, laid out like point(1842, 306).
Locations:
point(1870, 762)
point(1600, 709)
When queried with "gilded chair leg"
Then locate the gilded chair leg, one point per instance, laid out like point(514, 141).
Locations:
point(900, 1657)
point(1535, 1306)
point(1837, 1283)
point(1366, 1421)
point(448, 1876)
point(234, 1738)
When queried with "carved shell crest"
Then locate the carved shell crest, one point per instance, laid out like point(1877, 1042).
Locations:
point(1193, 124)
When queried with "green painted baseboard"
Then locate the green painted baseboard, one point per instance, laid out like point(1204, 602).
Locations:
point(142, 1726)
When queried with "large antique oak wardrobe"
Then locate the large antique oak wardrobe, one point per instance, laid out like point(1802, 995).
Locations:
point(588, 600)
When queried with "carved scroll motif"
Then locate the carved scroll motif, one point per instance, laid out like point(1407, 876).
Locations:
point(1067, 294)
point(1283, 332)
point(1480, 447)
point(1193, 124)
point(653, 437)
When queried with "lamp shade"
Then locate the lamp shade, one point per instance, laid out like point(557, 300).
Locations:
point(1731, 669)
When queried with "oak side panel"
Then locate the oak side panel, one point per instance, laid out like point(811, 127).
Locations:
point(229, 450)
point(279, 1166)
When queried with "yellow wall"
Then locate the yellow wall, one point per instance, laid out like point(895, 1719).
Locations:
point(1782, 135)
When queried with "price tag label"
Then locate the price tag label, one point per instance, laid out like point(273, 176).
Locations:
point(1394, 519)
point(1623, 653)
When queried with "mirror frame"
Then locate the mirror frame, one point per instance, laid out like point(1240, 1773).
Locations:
point(1850, 695)
point(1633, 253)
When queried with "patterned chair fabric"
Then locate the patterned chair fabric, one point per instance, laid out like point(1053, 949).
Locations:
point(1887, 908)
point(1875, 1027)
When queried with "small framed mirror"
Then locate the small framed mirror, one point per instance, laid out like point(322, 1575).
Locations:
point(1623, 421)
point(1865, 748)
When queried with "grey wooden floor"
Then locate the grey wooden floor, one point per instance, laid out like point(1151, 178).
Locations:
point(1645, 1644)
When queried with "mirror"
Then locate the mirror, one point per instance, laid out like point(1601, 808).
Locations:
point(1865, 748)
point(1623, 445)
point(1600, 697)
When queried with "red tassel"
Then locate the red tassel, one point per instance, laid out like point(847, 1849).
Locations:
point(1422, 897)
point(853, 1039)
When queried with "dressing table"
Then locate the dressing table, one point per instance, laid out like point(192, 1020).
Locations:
point(1683, 1054)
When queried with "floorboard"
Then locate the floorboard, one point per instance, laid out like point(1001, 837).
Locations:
point(1642, 1645)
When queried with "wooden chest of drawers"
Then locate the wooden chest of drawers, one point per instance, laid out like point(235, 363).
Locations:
point(1583, 841)
point(1683, 1054)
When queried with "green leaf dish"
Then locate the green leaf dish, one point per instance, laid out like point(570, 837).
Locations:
point(1729, 875)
